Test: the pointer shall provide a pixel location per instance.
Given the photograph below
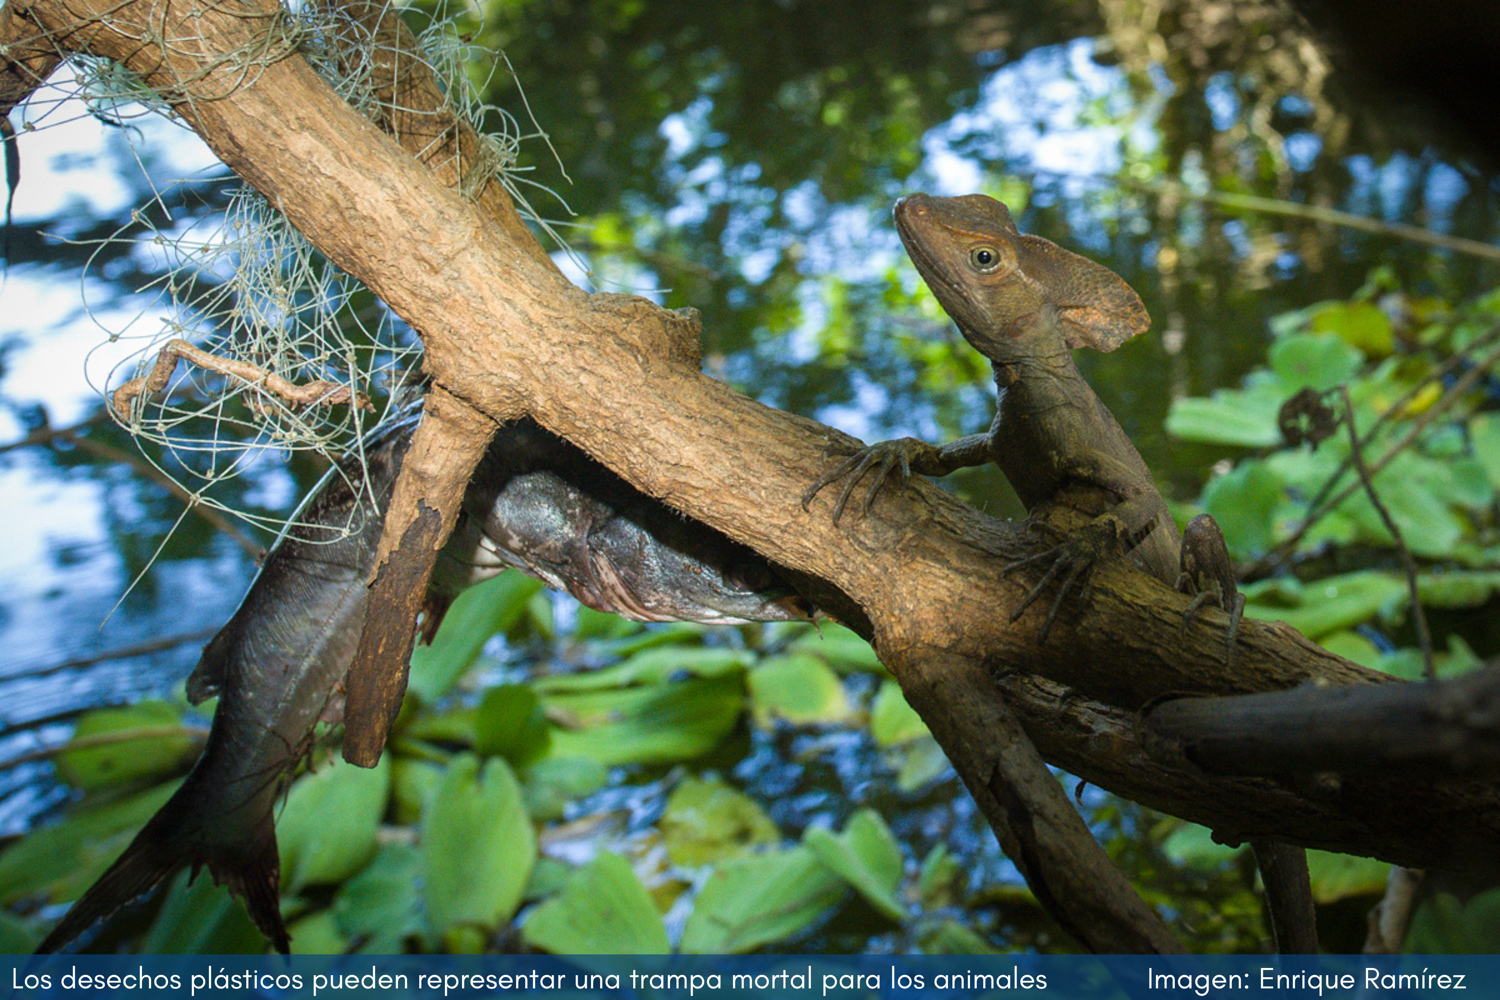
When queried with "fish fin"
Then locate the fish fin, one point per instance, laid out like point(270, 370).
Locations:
point(255, 877)
point(249, 865)
point(136, 872)
point(207, 679)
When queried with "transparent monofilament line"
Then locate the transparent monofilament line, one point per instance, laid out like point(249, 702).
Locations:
point(246, 288)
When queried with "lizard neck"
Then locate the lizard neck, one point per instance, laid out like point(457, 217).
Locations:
point(1030, 355)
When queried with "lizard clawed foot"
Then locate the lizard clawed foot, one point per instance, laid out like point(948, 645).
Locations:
point(884, 458)
point(1072, 559)
point(1234, 607)
point(1208, 574)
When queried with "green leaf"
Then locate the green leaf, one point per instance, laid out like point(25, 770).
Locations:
point(604, 910)
point(1484, 437)
point(1361, 325)
point(843, 649)
point(950, 937)
point(1468, 483)
point(1312, 361)
point(112, 746)
point(922, 762)
point(1444, 926)
point(380, 906)
point(656, 665)
point(799, 689)
point(478, 613)
point(707, 822)
point(1241, 418)
point(1329, 605)
point(318, 934)
point(755, 901)
point(510, 723)
point(62, 861)
point(866, 856)
point(450, 724)
point(1418, 494)
point(1353, 646)
point(326, 831)
point(1244, 501)
point(663, 634)
point(16, 935)
point(1339, 876)
point(591, 624)
point(939, 876)
point(892, 720)
point(1194, 845)
point(413, 784)
point(201, 918)
point(478, 846)
point(654, 725)
point(551, 784)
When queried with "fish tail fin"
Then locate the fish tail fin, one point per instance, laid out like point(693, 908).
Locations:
point(255, 877)
point(183, 831)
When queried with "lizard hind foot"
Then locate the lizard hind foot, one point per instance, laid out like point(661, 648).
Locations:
point(1057, 567)
point(1234, 607)
point(1207, 573)
point(1072, 559)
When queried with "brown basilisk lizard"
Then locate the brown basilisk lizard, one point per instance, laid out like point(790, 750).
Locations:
point(1025, 303)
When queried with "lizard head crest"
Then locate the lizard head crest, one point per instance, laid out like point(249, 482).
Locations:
point(993, 279)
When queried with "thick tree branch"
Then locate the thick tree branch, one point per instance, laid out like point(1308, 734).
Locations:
point(506, 333)
point(1058, 855)
point(1450, 726)
point(417, 114)
point(29, 58)
point(1289, 901)
point(1432, 823)
point(445, 448)
point(1039, 828)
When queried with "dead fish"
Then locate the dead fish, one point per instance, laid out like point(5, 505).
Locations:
point(540, 504)
point(275, 667)
point(536, 503)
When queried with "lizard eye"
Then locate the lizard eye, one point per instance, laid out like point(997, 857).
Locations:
point(984, 258)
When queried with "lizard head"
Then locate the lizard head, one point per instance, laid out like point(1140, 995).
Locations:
point(997, 282)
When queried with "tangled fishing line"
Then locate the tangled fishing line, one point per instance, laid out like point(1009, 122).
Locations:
point(263, 345)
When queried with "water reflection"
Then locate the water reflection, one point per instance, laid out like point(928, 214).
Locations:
point(743, 162)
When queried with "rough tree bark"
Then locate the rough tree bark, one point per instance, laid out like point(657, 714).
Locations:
point(921, 575)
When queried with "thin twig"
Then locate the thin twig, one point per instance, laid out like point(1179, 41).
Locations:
point(106, 739)
point(50, 437)
point(1321, 505)
point(1317, 213)
point(1400, 403)
point(1424, 637)
point(122, 653)
point(317, 393)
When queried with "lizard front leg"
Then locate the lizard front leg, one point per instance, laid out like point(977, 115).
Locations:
point(902, 456)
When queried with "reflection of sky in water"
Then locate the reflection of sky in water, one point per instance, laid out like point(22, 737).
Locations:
point(1054, 112)
point(62, 574)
